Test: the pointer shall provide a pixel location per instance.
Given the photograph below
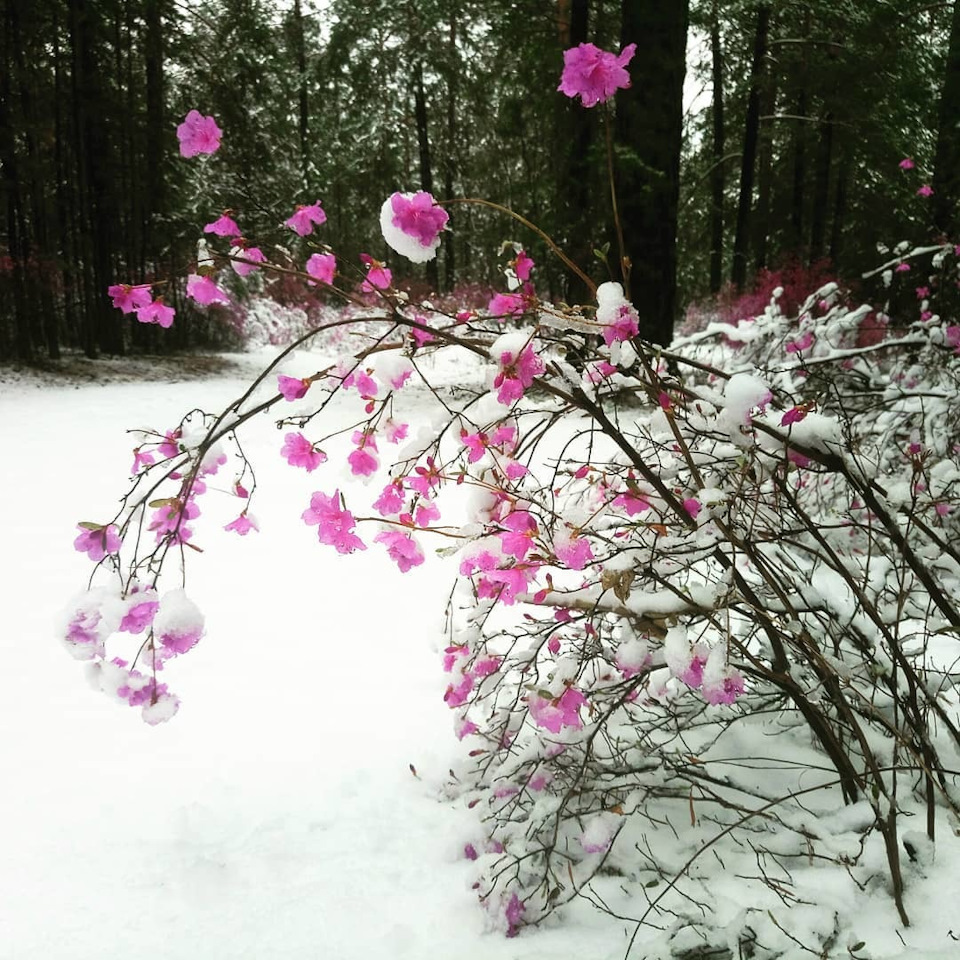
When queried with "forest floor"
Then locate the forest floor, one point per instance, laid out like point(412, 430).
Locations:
point(294, 808)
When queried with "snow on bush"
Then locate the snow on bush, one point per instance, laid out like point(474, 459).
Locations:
point(705, 598)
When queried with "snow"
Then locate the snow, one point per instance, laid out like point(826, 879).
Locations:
point(294, 807)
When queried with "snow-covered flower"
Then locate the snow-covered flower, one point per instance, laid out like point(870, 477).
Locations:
point(412, 223)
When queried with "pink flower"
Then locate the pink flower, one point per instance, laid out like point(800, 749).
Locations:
point(169, 520)
point(390, 501)
point(692, 506)
point(427, 512)
point(902, 268)
point(574, 552)
point(476, 444)
point(804, 342)
point(624, 327)
point(156, 312)
point(402, 548)
point(953, 336)
point(130, 298)
point(305, 216)
point(395, 432)
point(505, 585)
point(521, 529)
point(293, 388)
point(97, 541)
point(252, 254)
point(139, 616)
point(335, 523)
point(794, 415)
point(223, 226)
point(205, 291)
point(552, 715)
point(421, 337)
point(600, 370)
point(631, 504)
point(516, 374)
point(141, 460)
point(365, 384)
point(505, 305)
point(198, 134)
point(242, 525)
point(925, 191)
point(923, 293)
point(363, 463)
point(418, 215)
point(170, 445)
point(522, 266)
point(300, 452)
point(797, 458)
point(724, 689)
point(906, 163)
point(379, 277)
point(456, 695)
point(323, 266)
point(593, 74)
point(513, 914)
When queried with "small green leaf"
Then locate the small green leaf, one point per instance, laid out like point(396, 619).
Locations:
point(859, 945)
point(652, 883)
point(165, 502)
point(87, 525)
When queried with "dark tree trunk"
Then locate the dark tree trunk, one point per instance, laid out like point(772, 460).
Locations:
point(575, 133)
point(154, 202)
point(750, 137)
point(765, 174)
point(649, 122)
point(19, 337)
point(839, 208)
point(426, 168)
point(717, 173)
point(946, 176)
point(303, 104)
point(450, 163)
point(800, 147)
point(821, 190)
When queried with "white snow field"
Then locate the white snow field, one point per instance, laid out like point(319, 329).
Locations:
point(276, 816)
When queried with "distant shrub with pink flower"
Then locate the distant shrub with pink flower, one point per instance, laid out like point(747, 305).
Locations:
point(668, 556)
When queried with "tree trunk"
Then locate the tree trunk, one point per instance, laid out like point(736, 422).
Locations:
point(450, 163)
point(946, 176)
point(800, 147)
point(575, 133)
point(717, 173)
point(426, 169)
point(303, 105)
point(750, 137)
point(649, 122)
point(821, 190)
point(839, 208)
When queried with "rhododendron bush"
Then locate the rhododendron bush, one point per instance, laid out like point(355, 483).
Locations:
point(706, 591)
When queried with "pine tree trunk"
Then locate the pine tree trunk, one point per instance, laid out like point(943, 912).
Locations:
point(750, 137)
point(426, 169)
point(821, 190)
point(649, 127)
point(717, 173)
point(946, 177)
point(575, 131)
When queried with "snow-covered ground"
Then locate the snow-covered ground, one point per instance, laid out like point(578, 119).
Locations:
point(277, 815)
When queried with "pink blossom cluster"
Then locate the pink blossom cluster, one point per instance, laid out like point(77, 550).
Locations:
point(335, 524)
point(594, 75)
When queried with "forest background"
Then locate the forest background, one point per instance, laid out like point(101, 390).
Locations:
point(785, 160)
